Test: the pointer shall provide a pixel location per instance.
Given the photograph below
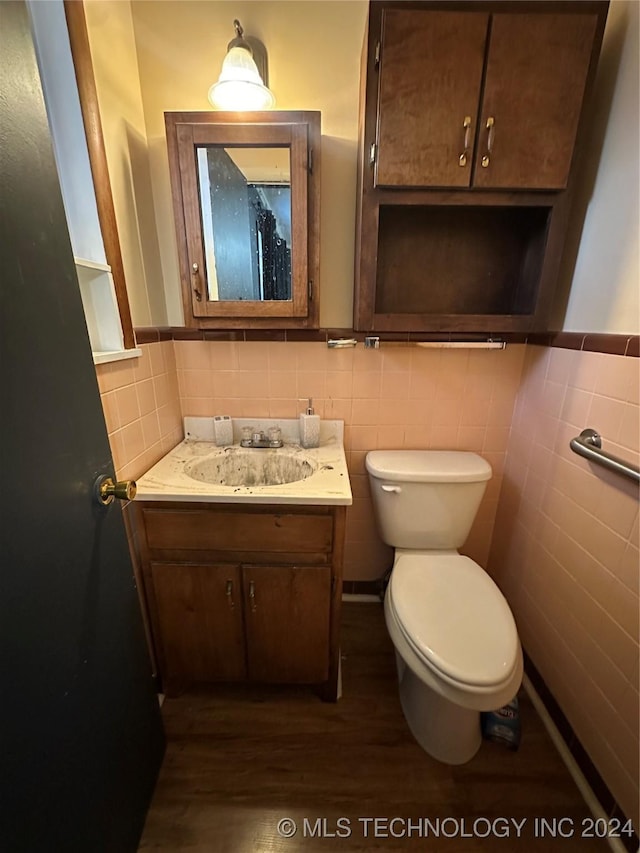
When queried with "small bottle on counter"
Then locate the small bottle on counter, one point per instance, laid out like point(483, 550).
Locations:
point(309, 427)
point(222, 430)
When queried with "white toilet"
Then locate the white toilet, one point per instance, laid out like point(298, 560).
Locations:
point(456, 642)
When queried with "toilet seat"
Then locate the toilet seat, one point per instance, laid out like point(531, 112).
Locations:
point(454, 618)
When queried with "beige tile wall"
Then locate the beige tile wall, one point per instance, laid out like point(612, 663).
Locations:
point(141, 407)
point(565, 549)
point(395, 397)
point(565, 540)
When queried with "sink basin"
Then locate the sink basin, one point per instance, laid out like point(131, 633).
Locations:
point(251, 468)
point(198, 470)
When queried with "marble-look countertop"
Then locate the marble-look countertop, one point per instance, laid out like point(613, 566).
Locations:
point(328, 485)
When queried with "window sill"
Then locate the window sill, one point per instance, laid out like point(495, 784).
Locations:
point(115, 355)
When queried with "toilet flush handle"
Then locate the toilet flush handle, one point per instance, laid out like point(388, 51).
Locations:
point(395, 489)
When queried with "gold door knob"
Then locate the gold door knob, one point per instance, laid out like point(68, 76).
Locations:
point(107, 490)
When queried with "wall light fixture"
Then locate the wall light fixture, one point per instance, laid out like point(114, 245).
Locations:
point(243, 82)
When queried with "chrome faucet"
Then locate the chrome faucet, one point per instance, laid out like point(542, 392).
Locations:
point(260, 440)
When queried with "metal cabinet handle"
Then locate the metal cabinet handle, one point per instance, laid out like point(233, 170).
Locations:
point(195, 270)
point(466, 124)
point(491, 129)
point(394, 489)
point(252, 596)
point(229, 594)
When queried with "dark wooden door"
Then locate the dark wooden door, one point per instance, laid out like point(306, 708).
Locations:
point(536, 74)
point(199, 610)
point(430, 77)
point(81, 732)
point(287, 618)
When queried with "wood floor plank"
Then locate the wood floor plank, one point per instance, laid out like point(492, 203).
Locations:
point(240, 759)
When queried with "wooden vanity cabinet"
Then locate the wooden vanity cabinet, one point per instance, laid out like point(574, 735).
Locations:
point(243, 592)
point(471, 114)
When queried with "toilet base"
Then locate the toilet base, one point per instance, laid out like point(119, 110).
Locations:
point(447, 732)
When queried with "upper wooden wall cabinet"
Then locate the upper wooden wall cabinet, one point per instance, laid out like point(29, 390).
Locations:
point(246, 200)
point(470, 118)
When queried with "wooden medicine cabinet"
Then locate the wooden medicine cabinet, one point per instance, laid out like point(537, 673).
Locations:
point(246, 201)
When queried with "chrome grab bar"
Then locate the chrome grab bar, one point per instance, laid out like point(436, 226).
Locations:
point(589, 445)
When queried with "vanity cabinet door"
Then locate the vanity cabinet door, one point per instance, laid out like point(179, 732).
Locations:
point(287, 620)
point(200, 629)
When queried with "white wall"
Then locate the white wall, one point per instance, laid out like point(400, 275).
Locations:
point(51, 39)
point(115, 67)
point(157, 56)
point(314, 60)
point(605, 284)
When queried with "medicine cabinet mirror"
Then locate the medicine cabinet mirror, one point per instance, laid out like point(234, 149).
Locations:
point(246, 208)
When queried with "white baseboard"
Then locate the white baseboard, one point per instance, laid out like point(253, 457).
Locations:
point(615, 844)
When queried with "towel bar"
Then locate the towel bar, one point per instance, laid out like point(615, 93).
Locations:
point(374, 342)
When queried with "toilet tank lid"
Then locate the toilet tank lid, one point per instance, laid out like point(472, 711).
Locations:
point(428, 466)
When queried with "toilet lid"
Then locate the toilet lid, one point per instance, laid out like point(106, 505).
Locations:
point(454, 617)
point(428, 466)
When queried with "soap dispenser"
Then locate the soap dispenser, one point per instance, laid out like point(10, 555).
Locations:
point(309, 427)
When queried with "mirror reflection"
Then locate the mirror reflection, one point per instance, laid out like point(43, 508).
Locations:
point(245, 208)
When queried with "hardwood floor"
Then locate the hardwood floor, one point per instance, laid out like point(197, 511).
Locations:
point(239, 760)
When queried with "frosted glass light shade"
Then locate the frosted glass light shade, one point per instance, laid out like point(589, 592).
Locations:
point(240, 86)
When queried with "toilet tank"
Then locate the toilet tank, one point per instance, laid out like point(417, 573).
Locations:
point(426, 499)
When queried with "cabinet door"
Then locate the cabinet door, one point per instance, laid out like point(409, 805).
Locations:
point(287, 616)
point(429, 89)
point(536, 74)
point(199, 615)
